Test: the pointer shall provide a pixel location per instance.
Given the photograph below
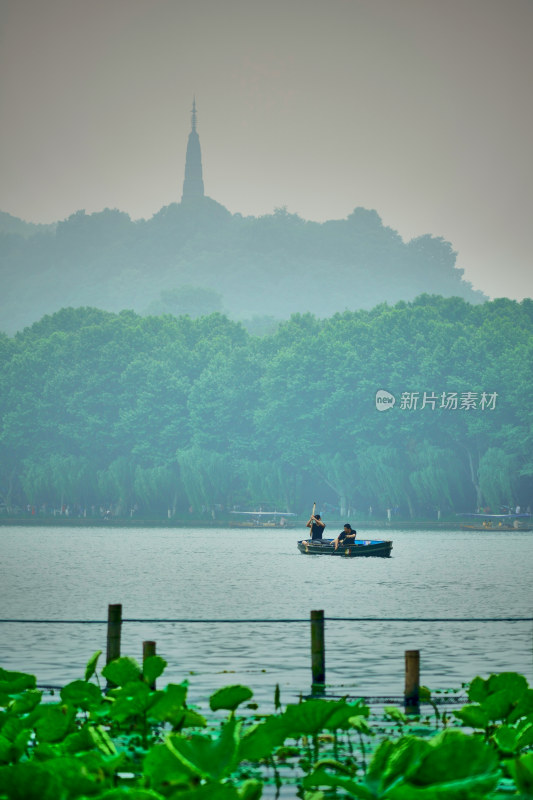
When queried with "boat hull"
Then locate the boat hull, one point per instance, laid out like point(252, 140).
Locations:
point(359, 548)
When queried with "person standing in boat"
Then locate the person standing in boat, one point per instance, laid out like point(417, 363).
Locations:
point(347, 535)
point(317, 526)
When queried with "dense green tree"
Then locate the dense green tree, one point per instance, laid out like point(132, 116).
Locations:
point(58, 481)
point(158, 489)
point(148, 385)
point(117, 485)
point(222, 401)
point(270, 483)
point(208, 478)
point(153, 414)
point(194, 301)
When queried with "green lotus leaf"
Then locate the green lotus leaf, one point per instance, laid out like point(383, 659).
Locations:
point(90, 669)
point(74, 776)
point(210, 791)
point(459, 766)
point(261, 740)
point(473, 716)
point(506, 739)
point(15, 682)
point(29, 781)
point(521, 770)
point(401, 760)
point(44, 751)
point(17, 733)
point(164, 770)
point(12, 727)
point(54, 721)
point(190, 719)
point(133, 699)
point(211, 759)
point(89, 737)
point(395, 714)
point(105, 765)
point(525, 730)
point(153, 667)
point(523, 708)
point(77, 742)
point(478, 690)
point(250, 790)
point(230, 697)
point(6, 750)
point(504, 696)
point(378, 766)
point(20, 745)
point(309, 718)
point(26, 702)
point(170, 703)
point(81, 694)
point(511, 682)
point(361, 725)
point(499, 705)
point(340, 717)
point(510, 739)
point(122, 671)
point(453, 766)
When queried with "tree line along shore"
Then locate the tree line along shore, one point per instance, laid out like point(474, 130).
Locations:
point(420, 407)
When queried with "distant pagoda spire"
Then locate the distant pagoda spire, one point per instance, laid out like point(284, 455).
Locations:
point(193, 185)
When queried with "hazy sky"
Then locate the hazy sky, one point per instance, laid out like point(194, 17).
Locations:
point(420, 109)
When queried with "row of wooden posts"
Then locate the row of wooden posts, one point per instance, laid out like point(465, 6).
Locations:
point(318, 655)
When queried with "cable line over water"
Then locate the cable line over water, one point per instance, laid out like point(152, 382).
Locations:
point(140, 620)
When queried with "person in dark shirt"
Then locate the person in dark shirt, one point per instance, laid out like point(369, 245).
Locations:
point(317, 527)
point(347, 535)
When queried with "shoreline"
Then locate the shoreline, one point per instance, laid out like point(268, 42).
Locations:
point(86, 522)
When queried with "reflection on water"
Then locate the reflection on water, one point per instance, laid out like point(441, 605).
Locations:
point(229, 574)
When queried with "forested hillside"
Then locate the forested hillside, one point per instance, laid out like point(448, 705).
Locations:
point(197, 257)
point(13, 226)
point(120, 411)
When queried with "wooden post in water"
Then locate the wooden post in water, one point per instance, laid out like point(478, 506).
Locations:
point(318, 651)
point(149, 650)
point(114, 626)
point(412, 682)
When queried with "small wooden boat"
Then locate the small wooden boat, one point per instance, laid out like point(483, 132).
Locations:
point(361, 547)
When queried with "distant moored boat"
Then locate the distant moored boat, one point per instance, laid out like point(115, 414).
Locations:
point(264, 519)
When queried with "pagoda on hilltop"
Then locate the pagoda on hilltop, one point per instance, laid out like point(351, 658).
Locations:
point(193, 184)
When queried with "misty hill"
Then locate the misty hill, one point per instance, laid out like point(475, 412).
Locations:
point(11, 224)
point(197, 257)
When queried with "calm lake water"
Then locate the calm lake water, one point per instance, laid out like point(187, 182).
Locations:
point(73, 573)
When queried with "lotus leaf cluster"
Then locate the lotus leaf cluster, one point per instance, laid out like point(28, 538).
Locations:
point(131, 740)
